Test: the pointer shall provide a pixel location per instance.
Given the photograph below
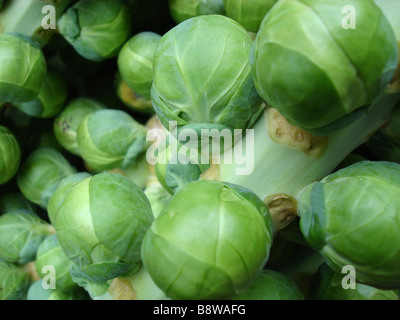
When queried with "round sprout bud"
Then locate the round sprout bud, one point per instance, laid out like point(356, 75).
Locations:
point(67, 122)
point(14, 281)
point(41, 173)
point(21, 233)
point(51, 254)
point(10, 155)
point(37, 292)
point(328, 285)
point(271, 285)
point(248, 13)
point(96, 29)
point(352, 218)
point(132, 100)
point(319, 72)
point(22, 68)
point(14, 202)
point(185, 9)
point(101, 224)
point(135, 62)
point(110, 139)
point(202, 74)
point(51, 98)
point(58, 196)
point(209, 242)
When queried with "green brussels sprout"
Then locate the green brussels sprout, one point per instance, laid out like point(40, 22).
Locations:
point(14, 281)
point(351, 218)
point(101, 224)
point(132, 100)
point(135, 62)
point(211, 239)
point(14, 202)
point(51, 254)
point(37, 292)
point(327, 285)
point(51, 98)
point(182, 10)
point(67, 122)
point(10, 155)
point(319, 74)
point(41, 174)
point(22, 68)
point(96, 29)
point(110, 139)
point(59, 194)
point(202, 74)
point(248, 13)
point(21, 233)
point(271, 285)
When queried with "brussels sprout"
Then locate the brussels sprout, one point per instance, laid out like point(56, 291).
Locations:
point(14, 281)
point(271, 285)
point(51, 254)
point(185, 9)
point(10, 155)
point(14, 202)
point(67, 122)
point(41, 173)
point(59, 194)
point(37, 292)
point(110, 139)
point(96, 29)
point(327, 285)
point(248, 13)
point(158, 197)
point(51, 98)
point(211, 239)
point(22, 68)
point(135, 62)
point(101, 224)
point(332, 70)
point(193, 87)
point(352, 218)
point(131, 100)
point(21, 233)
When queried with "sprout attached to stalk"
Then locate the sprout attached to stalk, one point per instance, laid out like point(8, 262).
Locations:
point(22, 68)
point(362, 228)
point(10, 155)
point(101, 223)
point(211, 239)
point(333, 72)
point(96, 29)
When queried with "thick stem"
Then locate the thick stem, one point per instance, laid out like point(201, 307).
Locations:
point(280, 169)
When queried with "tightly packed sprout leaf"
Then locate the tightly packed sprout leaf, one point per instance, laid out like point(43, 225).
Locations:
point(132, 100)
point(96, 29)
point(50, 253)
point(21, 233)
point(248, 13)
point(327, 285)
point(202, 74)
point(350, 231)
point(67, 122)
point(334, 71)
point(51, 99)
point(271, 285)
point(110, 139)
point(182, 10)
point(14, 281)
point(10, 155)
point(37, 292)
point(41, 174)
point(101, 223)
point(209, 242)
point(23, 68)
point(135, 62)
